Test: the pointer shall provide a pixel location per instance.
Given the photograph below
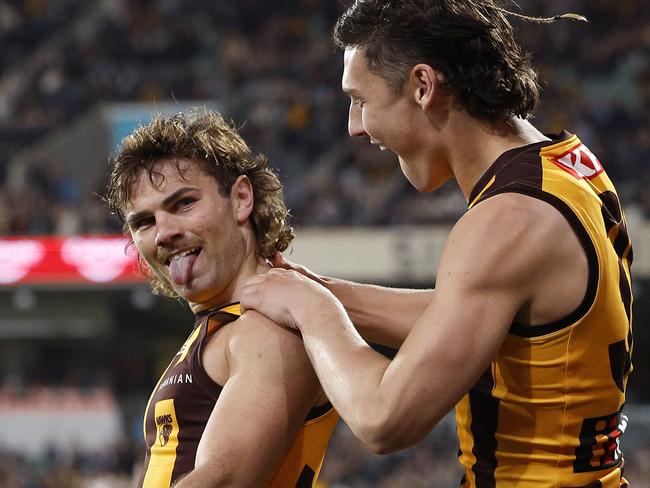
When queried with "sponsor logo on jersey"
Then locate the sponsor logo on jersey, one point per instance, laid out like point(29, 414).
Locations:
point(176, 379)
point(600, 443)
point(580, 162)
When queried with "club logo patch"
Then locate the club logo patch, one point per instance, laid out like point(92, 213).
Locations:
point(165, 428)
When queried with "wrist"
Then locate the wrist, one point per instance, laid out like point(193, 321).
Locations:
point(324, 308)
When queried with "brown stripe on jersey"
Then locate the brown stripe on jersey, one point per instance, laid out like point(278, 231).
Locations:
point(212, 323)
point(218, 319)
point(620, 360)
point(213, 310)
point(306, 478)
point(200, 405)
point(519, 166)
point(612, 216)
point(485, 418)
point(194, 395)
point(626, 294)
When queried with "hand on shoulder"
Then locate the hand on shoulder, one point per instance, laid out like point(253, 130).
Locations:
point(286, 296)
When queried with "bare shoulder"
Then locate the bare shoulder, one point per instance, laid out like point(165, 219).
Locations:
point(256, 340)
point(516, 211)
point(250, 340)
point(513, 234)
point(255, 329)
point(522, 245)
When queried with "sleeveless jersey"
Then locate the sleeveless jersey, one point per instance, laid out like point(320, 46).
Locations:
point(548, 411)
point(182, 402)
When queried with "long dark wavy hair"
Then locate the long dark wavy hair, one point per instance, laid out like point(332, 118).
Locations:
point(470, 42)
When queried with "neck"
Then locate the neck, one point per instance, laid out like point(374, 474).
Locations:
point(474, 145)
point(251, 264)
point(250, 267)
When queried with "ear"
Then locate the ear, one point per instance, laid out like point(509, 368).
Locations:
point(425, 83)
point(242, 199)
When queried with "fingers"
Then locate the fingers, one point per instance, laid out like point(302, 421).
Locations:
point(247, 298)
point(257, 287)
point(256, 279)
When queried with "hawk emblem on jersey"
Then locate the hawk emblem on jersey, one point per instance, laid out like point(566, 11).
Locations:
point(165, 428)
point(580, 162)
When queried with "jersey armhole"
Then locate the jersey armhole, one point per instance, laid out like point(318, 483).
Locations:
point(210, 326)
point(592, 262)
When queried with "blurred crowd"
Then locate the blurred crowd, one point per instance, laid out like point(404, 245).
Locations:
point(347, 465)
point(56, 469)
point(274, 70)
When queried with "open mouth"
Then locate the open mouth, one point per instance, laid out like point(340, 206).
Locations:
point(182, 264)
point(194, 251)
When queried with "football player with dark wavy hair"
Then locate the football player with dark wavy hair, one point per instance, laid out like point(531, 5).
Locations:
point(528, 331)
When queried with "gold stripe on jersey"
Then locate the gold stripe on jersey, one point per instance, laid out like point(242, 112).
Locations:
point(234, 309)
point(215, 323)
point(487, 187)
point(146, 409)
point(466, 441)
point(163, 451)
point(548, 412)
point(302, 464)
point(185, 348)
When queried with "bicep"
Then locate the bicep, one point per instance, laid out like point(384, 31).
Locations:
point(449, 348)
point(261, 407)
point(479, 290)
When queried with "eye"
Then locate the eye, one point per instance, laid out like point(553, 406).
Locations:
point(185, 202)
point(141, 224)
point(358, 102)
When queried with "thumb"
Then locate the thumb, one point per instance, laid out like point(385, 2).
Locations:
point(279, 261)
point(247, 298)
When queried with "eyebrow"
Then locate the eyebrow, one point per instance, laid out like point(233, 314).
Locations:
point(165, 203)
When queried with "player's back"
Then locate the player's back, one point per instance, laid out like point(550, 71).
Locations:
point(548, 412)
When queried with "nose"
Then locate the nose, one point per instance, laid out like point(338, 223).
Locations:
point(355, 121)
point(168, 231)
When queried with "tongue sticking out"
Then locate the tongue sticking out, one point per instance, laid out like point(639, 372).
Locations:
point(180, 269)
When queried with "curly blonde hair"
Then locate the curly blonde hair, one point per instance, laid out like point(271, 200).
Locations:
point(207, 140)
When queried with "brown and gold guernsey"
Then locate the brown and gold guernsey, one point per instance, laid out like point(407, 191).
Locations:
point(548, 411)
point(182, 402)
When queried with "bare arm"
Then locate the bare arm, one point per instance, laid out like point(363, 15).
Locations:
point(381, 314)
point(269, 391)
point(483, 282)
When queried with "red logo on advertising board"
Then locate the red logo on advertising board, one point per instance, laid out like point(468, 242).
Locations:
point(58, 260)
point(17, 258)
point(97, 259)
